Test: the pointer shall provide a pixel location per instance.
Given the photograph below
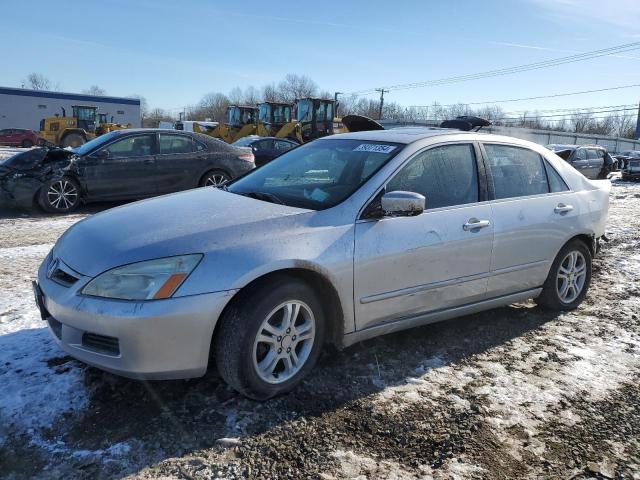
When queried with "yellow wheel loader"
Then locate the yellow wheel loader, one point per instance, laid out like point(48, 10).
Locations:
point(272, 116)
point(73, 131)
point(104, 126)
point(242, 120)
point(314, 119)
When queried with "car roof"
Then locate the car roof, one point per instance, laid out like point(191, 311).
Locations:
point(404, 135)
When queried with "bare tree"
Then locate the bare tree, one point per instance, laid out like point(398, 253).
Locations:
point(156, 116)
point(270, 93)
point(296, 86)
point(95, 90)
point(213, 105)
point(37, 81)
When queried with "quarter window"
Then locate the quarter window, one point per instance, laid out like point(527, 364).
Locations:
point(446, 176)
point(516, 171)
point(282, 146)
point(556, 183)
point(174, 144)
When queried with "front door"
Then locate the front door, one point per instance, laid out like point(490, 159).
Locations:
point(533, 212)
point(126, 168)
point(595, 157)
point(580, 162)
point(406, 266)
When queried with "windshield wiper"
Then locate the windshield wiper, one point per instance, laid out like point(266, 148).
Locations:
point(264, 196)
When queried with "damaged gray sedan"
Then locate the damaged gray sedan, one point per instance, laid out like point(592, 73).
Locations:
point(121, 165)
point(340, 240)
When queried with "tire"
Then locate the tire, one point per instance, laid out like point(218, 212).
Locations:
point(51, 200)
point(73, 140)
point(27, 143)
point(554, 296)
point(239, 354)
point(214, 178)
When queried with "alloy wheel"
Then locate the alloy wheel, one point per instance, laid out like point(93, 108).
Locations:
point(284, 342)
point(571, 277)
point(216, 180)
point(62, 195)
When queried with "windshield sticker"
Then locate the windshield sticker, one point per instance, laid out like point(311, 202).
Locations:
point(317, 195)
point(374, 148)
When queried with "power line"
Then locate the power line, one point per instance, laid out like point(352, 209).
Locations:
point(515, 69)
point(575, 109)
point(529, 98)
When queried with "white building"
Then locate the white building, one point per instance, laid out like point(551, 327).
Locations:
point(23, 108)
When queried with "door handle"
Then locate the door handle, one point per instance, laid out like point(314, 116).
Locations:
point(149, 161)
point(562, 208)
point(475, 224)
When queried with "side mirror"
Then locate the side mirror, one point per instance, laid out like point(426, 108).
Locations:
point(402, 204)
point(101, 154)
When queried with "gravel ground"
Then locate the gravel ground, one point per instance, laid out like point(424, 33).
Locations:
point(510, 393)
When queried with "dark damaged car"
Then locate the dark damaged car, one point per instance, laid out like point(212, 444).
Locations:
point(121, 165)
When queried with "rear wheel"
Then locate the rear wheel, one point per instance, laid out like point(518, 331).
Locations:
point(568, 279)
point(26, 143)
point(60, 195)
point(270, 338)
point(214, 178)
point(73, 140)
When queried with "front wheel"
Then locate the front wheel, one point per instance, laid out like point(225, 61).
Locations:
point(270, 338)
point(73, 140)
point(214, 178)
point(568, 279)
point(27, 143)
point(61, 195)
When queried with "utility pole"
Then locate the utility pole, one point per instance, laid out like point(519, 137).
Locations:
point(638, 124)
point(335, 99)
point(382, 92)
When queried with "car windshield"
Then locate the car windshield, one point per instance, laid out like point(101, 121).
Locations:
point(318, 175)
point(96, 142)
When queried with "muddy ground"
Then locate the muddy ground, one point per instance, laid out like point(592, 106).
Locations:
point(510, 393)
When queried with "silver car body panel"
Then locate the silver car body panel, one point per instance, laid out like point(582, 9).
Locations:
point(389, 274)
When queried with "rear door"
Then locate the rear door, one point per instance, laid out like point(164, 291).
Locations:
point(178, 163)
point(263, 151)
point(595, 156)
point(125, 168)
point(406, 266)
point(5, 137)
point(580, 162)
point(534, 212)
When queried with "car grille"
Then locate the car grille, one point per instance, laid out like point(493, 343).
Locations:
point(101, 343)
point(61, 274)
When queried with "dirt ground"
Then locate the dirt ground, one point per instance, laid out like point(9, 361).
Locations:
point(510, 393)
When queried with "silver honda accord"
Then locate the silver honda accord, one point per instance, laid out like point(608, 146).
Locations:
point(340, 240)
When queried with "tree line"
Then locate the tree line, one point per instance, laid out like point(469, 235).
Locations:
point(213, 106)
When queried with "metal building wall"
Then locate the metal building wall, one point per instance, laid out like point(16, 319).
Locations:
point(22, 108)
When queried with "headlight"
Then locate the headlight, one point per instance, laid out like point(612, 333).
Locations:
point(150, 280)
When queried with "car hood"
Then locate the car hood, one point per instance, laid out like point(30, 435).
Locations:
point(197, 221)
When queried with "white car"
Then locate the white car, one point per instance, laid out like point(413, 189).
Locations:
point(340, 240)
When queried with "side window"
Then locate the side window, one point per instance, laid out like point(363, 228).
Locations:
point(445, 175)
point(5, 132)
point(282, 146)
point(137, 146)
point(581, 154)
point(174, 144)
point(516, 171)
point(556, 183)
point(264, 145)
point(592, 154)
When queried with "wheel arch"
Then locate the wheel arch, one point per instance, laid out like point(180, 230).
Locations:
point(213, 169)
point(330, 300)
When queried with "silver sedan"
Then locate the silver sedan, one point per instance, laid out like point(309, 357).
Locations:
point(340, 240)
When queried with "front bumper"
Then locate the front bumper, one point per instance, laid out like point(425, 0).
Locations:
point(631, 173)
point(19, 192)
point(154, 340)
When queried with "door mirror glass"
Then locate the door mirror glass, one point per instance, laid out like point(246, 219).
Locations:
point(402, 204)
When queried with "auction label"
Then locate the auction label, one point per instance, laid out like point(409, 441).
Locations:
point(374, 148)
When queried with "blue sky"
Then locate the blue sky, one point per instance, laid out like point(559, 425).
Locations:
point(173, 52)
